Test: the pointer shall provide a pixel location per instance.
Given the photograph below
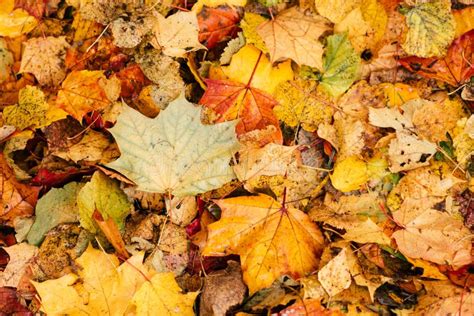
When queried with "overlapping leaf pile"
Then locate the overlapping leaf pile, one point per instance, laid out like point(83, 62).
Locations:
point(236, 156)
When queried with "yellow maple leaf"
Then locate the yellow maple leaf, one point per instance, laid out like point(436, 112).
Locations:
point(215, 3)
point(272, 240)
point(335, 10)
point(85, 91)
point(102, 287)
point(32, 110)
point(14, 22)
point(162, 296)
point(249, 65)
point(365, 24)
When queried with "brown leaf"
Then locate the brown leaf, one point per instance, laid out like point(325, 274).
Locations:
point(18, 199)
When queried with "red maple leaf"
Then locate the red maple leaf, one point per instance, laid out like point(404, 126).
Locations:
point(231, 100)
point(218, 24)
point(455, 68)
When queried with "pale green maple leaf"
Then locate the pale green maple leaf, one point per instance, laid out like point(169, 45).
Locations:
point(174, 153)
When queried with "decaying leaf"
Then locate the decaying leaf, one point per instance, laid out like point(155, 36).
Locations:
point(56, 207)
point(18, 199)
point(431, 28)
point(20, 256)
point(271, 239)
point(32, 110)
point(292, 34)
point(44, 58)
point(181, 155)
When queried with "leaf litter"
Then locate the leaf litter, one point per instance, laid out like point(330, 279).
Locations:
point(236, 157)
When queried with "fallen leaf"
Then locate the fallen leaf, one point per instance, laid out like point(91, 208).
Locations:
point(128, 34)
point(55, 207)
point(163, 295)
point(104, 195)
point(295, 35)
point(299, 103)
point(270, 160)
point(335, 10)
point(349, 174)
point(34, 8)
point(217, 24)
point(222, 290)
point(32, 110)
point(309, 307)
point(177, 34)
point(249, 24)
point(14, 22)
point(184, 161)
point(431, 28)
point(6, 61)
point(85, 91)
point(463, 19)
point(44, 58)
point(340, 65)
point(365, 24)
point(10, 302)
point(455, 68)
point(335, 276)
point(18, 199)
point(268, 237)
point(434, 236)
point(101, 287)
point(20, 257)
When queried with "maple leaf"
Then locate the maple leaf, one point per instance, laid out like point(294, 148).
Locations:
point(18, 199)
point(431, 28)
point(174, 152)
point(102, 287)
point(85, 91)
point(455, 68)
point(272, 240)
point(20, 256)
point(162, 295)
point(365, 25)
point(177, 34)
point(217, 24)
point(335, 10)
point(250, 71)
point(44, 58)
point(292, 34)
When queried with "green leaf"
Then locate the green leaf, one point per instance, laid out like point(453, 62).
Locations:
point(105, 195)
point(341, 65)
point(55, 207)
point(431, 28)
point(174, 153)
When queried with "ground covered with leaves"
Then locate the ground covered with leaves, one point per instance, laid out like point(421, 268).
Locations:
point(236, 157)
